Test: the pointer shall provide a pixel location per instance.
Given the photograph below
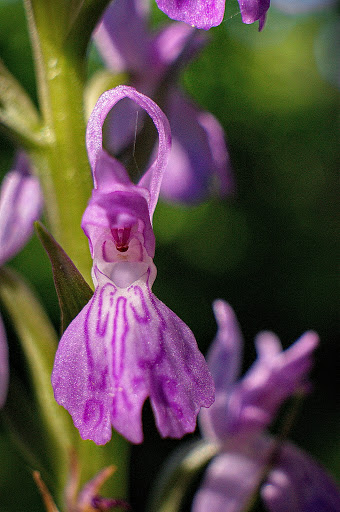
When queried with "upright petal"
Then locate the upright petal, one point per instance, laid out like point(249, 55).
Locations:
point(299, 484)
point(199, 13)
point(20, 206)
point(199, 161)
point(4, 366)
point(124, 346)
point(274, 377)
point(94, 136)
point(224, 360)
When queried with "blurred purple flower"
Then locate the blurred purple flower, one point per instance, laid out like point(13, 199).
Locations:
point(199, 160)
point(302, 6)
point(249, 458)
point(209, 13)
point(20, 206)
point(126, 345)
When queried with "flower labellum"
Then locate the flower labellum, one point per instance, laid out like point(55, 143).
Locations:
point(126, 345)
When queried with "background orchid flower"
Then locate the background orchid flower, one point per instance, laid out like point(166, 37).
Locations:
point(20, 206)
point(199, 161)
point(207, 14)
point(249, 458)
point(126, 345)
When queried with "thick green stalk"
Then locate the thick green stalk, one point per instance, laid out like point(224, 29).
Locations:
point(62, 165)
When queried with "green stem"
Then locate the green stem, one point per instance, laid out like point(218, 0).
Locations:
point(62, 165)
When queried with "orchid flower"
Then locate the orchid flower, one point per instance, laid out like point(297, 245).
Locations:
point(249, 459)
point(20, 206)
point(126, 345)
point(206, 14)
point(199, 162)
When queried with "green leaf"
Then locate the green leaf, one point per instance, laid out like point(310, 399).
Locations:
point(72, 289)
point(38, 341)
point(18, 116)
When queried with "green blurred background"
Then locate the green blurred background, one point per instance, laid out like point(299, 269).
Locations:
point(270, 251)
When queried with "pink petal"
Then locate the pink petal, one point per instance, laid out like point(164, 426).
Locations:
point(124, 346)
point(199, 13)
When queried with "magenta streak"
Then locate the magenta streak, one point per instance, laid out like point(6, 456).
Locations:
point(95, 310)
point(102, 321)
point(120, 331)
point(137, 290)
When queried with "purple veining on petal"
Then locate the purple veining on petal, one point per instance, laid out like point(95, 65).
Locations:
point(126, 345)
point(158, 358)
point(20, 206)
point(146, 317)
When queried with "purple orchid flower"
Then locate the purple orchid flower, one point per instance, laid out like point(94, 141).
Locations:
point(209, 13)
point(199, 161)
point(20, 206)
point(249, 458)
point(126, 345)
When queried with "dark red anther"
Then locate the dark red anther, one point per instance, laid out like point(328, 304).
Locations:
point(121, 238)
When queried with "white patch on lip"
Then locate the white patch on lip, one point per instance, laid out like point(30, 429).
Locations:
point(124, 273)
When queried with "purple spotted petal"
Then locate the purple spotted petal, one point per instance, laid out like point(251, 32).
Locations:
point(299, 484)
point(20, 206)
point(232, 478)
point(274, 377)
point(123, 347)
point(4, 367)
point(199, 161)
point(199, 13)
point(94, 137)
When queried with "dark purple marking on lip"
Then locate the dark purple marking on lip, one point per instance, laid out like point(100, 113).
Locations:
point(119, 338)
point(146, 317)
point(93, 413)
